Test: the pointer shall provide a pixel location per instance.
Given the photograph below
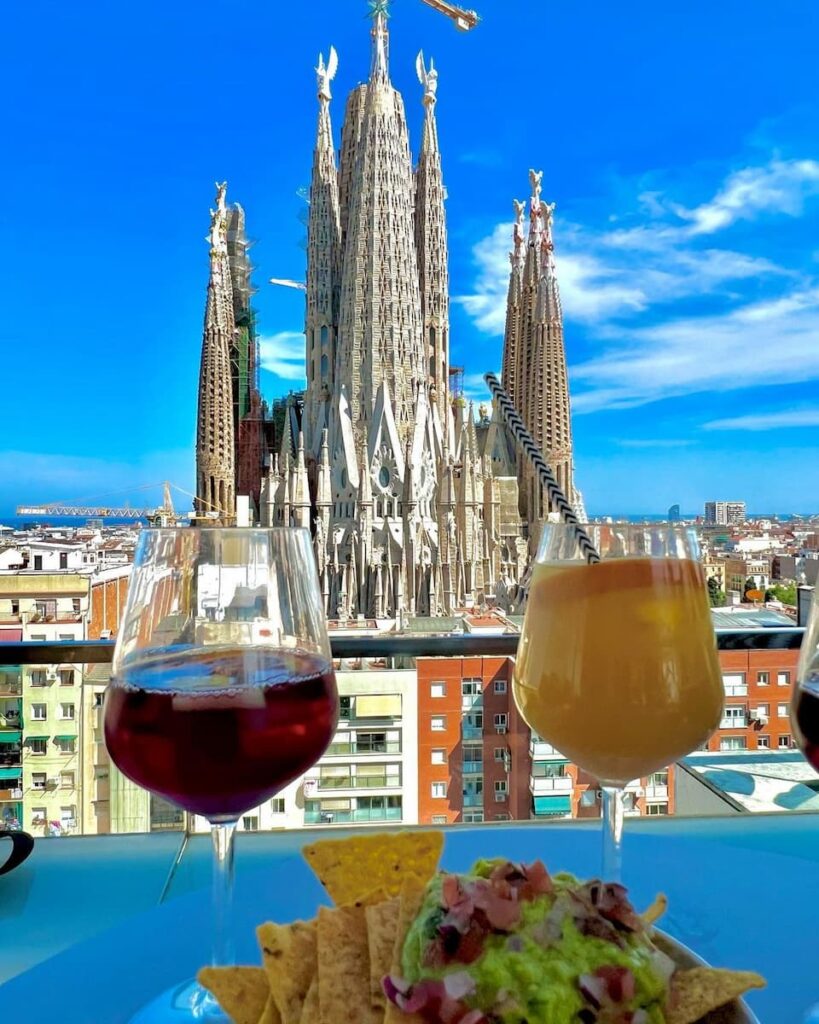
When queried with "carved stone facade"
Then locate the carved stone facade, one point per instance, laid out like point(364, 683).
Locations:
point(215, 436)
point(415, 508)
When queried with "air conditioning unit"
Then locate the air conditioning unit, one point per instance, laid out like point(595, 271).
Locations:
point(51, 675)
point(105, 634)
point(52, 783)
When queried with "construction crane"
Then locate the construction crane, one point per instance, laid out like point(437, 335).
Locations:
point(463, 19)
point(161, 515)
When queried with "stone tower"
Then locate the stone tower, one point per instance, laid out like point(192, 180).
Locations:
point(534, 358)
point(215, 437)
point(415, 508)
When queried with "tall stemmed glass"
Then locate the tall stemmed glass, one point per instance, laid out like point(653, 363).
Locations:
point(617, 665)
point(222, 691)
point(805, 710)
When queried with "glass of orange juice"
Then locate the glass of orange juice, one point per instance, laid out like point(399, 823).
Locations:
point(617, 664)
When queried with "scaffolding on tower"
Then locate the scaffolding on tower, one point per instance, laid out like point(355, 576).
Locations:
point(248, 412)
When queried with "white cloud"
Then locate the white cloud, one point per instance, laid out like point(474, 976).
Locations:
point(753, 345)
point(653, 260)
point(785, 418)
point(781, 186)
point(283, 354)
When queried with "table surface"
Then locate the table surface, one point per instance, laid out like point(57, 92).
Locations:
point(92, 928)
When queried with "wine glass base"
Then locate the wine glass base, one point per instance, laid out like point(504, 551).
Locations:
point(182, 1004)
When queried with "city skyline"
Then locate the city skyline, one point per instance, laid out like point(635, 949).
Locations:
point(684, 239)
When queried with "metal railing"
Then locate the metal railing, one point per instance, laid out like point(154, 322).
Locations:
point(405, 645)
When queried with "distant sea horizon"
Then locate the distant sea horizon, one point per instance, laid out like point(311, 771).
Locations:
point(16, 522)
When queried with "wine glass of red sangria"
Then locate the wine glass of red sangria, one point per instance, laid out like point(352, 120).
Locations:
point(222, 691)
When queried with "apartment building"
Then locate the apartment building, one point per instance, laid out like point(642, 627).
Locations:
point(473, 745)
point(724, 513)
point(738, 570)
point(45, 605)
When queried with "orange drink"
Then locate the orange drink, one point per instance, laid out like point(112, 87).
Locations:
point(617, 664)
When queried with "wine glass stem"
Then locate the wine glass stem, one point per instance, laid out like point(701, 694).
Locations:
point(222, 835)
point(613, 814)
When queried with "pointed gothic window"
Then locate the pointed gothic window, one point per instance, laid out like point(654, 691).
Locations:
point(325, 334)
point(325, 367)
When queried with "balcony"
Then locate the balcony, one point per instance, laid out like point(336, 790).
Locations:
point(550, 784)
point(539, 750)
point(472, 767)
point(472, 732)
point(734, 722)
point(353, 749)
point(360, 782)
point(360, 815)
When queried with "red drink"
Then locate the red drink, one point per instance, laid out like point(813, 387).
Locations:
point(805, 718)
point(219, 730)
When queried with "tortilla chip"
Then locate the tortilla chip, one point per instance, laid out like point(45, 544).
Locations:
point(412, 896)
point(382, 927)
point(656, 910)
point(372, 898)
point(344, 967)
point(270, 1014)
point(702, 989)
point(310, 1010)
point(349, 869)
point(242, 992)
point(289, 953)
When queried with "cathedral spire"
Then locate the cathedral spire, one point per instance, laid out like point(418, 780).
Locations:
point(215, 437)
point(379, 68)
point(512, 329)
point(323, 266)
point(431, 243)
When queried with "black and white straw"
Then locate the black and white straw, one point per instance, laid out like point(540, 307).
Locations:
point(524, 439)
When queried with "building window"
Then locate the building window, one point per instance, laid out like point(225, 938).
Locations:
point(99, 699)
point(38, 780)
point(732, 743)
point(38, 746)
point(277, 805)
point(500, 686)
point(438, 790)
point(38, 815)
point(66, 780)
point(763, 742)
point(548, 769)
point(734, 684)
point(75, 605)
point(38, 563)
point(500, 753)
point(250, 823)
point(67, 711)
point(437, 689)
point(733, 718)
point(501, 791)
point(588, 798)
point(66, 744)
point(471, 687)
point(501, 722)
point(763, 678)
point(503, 816)
point(438, 756)
point(658, 778)
point(439, 819)
point(656, 809)
point(438, 723)
point(781, 710)
point(785, 743)
point(38, 677)
point(473, 817)
point(66, 677)
point(763, 710)
point(38, 712)
point(783, 678)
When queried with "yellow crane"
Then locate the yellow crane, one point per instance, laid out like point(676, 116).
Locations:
point(462, 18)
point(162, 515)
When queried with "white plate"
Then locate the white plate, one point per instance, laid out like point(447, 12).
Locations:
point(735, 1012)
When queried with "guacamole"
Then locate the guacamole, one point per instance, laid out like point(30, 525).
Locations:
point(508, 943)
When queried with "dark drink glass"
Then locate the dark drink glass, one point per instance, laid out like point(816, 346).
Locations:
point(222, 691)
point(805, 711)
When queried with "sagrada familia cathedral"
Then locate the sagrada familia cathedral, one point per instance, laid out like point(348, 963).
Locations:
point(416, 506)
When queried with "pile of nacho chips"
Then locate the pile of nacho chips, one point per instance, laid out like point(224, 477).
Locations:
point(329, 970)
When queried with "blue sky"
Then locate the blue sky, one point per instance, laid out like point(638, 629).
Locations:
point(678, 140)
